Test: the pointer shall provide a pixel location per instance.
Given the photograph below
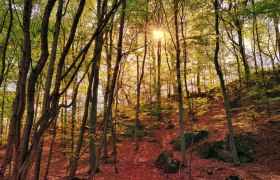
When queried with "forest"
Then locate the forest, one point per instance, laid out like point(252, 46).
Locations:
point(139, 89)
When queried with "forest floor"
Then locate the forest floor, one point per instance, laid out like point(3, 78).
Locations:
point(140, 164)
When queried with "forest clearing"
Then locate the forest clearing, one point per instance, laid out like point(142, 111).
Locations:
point(139, 89)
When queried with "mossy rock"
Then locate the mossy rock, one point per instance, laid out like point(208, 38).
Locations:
point(236, 102)
point(173, 166)
point(162, 159)
point(273, 93)
point(196, 138)
point(244, 146)
point(221, 149)
point(167, 162)
point(200, 136)
point(204, 150)
point(234, 177)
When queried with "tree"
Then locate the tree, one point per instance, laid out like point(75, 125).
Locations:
point(236, 161)
point(180, 98)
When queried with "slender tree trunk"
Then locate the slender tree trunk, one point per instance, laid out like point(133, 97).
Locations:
point(111, 95)
point(51, 150)
point(198, 83)
point(73, 120)
point(180, 98)
point(159, 108)
point(136, 135)
point(272, 57)
point(236, 161)
point(243, 54)
point(109, 52)
point(64, 126)
point(263, 72)
point(74, 162)
point(2, 112)
point(254, 47)
point(32, 80)
point(277, 34)
point(139, 81)
point(239, 71)
point(76, 156)
point(37, 165)
point(6, 43)
point(97, 56)
point(73, 116)
point(19, 101)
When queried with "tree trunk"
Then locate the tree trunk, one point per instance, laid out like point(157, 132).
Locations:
point(243, 54)
point(159, 108)
point(19, 101)
point(32, 80)
point(37, 165)
point(263, 72)
point(254, 46)
point(51, 149)
point(97, 57)
point(6, 43)
point(2, 113)
point(111, 95)
point(236, 161)
point(74, 162)
point(180, 98)
point(277, 34)
point(49, 112)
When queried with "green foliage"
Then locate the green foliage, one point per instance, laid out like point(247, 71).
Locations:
point(276, 99)
point(152, 125)
point(201, 105)
point(129, 131)
point(267, 7)
point(151, 108)
point(249, 115)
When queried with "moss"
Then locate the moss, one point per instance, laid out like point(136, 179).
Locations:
point(189, 137)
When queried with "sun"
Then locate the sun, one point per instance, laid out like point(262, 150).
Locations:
point(158, 34)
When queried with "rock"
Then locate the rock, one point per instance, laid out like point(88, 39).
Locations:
point(221, 149)
point(236, 102)
point(173, 166)
point(200, 136)
point(204, 150)
point(167, 162)
point(224, 154)
point(234, 177)
point(244, 143)
point(162, 159)
point(197, 137)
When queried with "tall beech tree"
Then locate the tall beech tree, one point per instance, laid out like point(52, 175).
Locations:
point(113, 84)
point(19, 101)
point(236, 161)
point(179, 82)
